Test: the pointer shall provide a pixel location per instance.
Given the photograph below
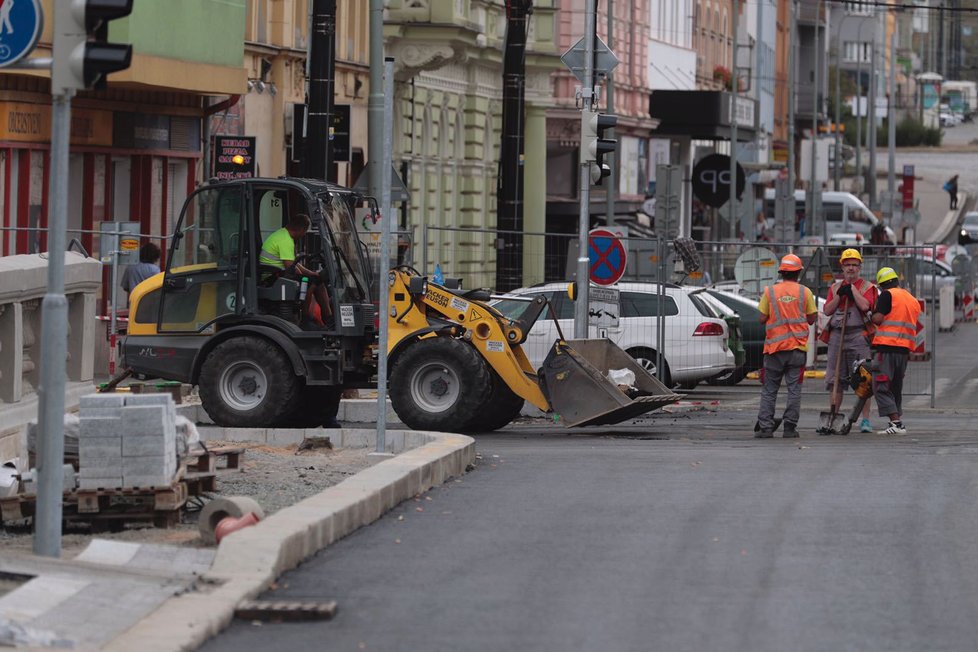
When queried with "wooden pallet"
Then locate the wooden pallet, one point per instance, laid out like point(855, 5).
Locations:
point(200, 482)
point(207, 461)
point(108, 508)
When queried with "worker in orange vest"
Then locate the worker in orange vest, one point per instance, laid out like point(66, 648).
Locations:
point(895, 315)
point(787, 310)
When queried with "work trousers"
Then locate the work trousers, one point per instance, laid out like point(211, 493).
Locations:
point(888, 381)
point(790, 366)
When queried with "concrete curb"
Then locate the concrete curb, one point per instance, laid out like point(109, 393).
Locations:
point(249, 560)
point(950, 220)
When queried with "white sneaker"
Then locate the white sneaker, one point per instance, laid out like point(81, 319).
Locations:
point(893, 429)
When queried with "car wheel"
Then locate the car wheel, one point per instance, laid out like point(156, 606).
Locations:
point(247, 382)
point(440, 384)
point(731, 377)
point(648, 359)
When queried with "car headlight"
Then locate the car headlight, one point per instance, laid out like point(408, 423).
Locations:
point(964, 233)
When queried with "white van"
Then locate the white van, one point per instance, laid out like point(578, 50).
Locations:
point(848, 220)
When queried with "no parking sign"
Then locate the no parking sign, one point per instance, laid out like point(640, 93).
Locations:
point(607, 257)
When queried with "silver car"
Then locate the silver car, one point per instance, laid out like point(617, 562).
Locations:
point(969, 229)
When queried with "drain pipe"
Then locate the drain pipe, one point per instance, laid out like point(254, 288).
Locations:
point(206, 131)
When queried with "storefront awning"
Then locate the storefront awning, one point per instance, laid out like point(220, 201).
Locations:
point(703, 115)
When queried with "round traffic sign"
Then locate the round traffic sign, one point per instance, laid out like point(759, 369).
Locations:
point(21, 24)
point(607, 257)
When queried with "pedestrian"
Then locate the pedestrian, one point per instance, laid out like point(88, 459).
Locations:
point(895, 315)
point(951, 186)
point(148, 265)
point(787, 310)
point(850, 301)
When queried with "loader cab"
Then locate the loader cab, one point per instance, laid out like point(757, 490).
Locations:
point(213, 271)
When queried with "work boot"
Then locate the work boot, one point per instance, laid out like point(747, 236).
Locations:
point(763, 433)
point(789, 431)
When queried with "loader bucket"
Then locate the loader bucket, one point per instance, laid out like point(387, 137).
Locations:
point(574, 378)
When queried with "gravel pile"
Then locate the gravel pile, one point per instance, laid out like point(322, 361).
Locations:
point(274, 477)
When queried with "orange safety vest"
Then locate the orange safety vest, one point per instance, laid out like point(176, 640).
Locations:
point(787, 326)
point(899, 327)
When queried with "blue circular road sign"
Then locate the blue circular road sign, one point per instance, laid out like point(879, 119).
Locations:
point(21, 22)
point(607, 257)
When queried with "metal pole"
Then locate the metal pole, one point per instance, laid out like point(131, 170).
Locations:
point(587, 97)
point(871, 127)
point(385, 254)
point(54, 349)
point(732, 205)
point(115, 307)
point(837, 166)
point(375, 101)
point(891, 128)
point(792, 44)
point(813, 182)
point(612, 157)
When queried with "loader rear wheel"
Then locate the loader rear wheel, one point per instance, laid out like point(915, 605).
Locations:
point(439, 383)
point(502, 406)
point(648, 359)
point(247, 382)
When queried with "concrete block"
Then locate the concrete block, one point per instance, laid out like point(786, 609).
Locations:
point(158, 480)
point(101, 401)
point(147, 465)
point(148, 445)
point(145, 420)
point(164, 400)
point(99, 483)
point(113, 465)
point(100, 413)
point(107, 446)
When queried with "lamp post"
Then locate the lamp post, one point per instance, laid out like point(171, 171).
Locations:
point(813, 205)
point(873, 203)
point(838, 91)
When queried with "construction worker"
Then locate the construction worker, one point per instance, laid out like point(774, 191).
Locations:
point(856, 298)
point(278, 251)
point(787, 310)
point(895, 315)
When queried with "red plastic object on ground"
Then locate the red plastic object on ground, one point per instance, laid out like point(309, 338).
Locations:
point(231, 524)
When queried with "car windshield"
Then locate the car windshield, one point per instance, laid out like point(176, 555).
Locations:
point(971, 219)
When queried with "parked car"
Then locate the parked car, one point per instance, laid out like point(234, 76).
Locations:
point(969, 229)
point(751, 331)
point(696, 341)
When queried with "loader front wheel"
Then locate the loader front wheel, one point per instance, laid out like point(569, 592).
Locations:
point(502, 406)
point(648, 359)
point(440, 384)
point(247, 382)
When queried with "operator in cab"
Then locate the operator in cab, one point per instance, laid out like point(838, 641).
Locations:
point(278, 251)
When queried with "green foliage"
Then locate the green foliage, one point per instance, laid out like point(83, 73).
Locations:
point(910, 132)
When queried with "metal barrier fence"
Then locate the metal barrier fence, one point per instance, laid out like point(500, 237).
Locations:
point(740, 268)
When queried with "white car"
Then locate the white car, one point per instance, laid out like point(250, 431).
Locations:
point(695, 343)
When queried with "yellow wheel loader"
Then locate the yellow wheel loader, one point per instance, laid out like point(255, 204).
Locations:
point(217, 318)
point(456, 364)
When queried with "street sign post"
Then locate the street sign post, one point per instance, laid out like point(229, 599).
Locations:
point(21, 24)
point(607, 257)
point(604, 59)
point(604, 308)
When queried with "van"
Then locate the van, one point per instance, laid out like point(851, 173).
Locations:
point(848, 220)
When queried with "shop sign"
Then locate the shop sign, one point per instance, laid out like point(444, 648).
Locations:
point(31, 123)
point(226, 149)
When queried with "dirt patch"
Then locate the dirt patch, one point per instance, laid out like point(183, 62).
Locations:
point(274, 477)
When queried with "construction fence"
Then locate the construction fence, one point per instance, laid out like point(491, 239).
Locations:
point(740, 268)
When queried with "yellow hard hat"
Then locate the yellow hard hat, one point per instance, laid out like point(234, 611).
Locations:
point(790, 263)
point(851, 253)
point(886, 274)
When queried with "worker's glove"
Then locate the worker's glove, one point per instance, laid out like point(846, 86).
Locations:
point(846, 291)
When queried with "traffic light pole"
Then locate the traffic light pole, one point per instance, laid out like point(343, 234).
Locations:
point(54, 334)
point(587, 97)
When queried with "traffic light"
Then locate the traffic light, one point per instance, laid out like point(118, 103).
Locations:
point(82, 56)
point(593, 143)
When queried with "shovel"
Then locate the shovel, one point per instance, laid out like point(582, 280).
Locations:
point(826, 420)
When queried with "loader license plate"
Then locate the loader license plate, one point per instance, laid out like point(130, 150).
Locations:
point(347, 320)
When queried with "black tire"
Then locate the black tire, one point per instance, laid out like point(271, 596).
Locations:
point(248, 382)
point(439, 384)
point(502, 406)
point(648, 358)
point(728, 378)
point(317, 406)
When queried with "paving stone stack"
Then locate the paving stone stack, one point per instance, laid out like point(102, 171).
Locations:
point(126, 440)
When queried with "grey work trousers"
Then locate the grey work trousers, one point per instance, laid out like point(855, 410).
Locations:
point(790, 366)
point(888, 381)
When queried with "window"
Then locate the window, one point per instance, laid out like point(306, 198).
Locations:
point(643, 304)
point(857, 51)
point(211, 229)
